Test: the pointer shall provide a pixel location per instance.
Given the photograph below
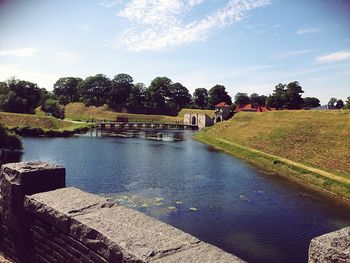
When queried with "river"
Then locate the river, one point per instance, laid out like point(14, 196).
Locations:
point(209, 194)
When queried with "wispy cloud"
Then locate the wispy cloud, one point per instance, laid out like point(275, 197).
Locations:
point(157, 24)
point(109, 3)
point(19, 52)
point(292, 53)
point(334, 57)
point(308, 30)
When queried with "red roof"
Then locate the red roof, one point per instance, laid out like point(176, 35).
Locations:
point(249, 107)
point(222, 105)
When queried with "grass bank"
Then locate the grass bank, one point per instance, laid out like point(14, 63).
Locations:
point(312, 147)
point(78, 111)
point(34, 125)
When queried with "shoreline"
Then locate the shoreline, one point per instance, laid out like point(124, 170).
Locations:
point(275, 165)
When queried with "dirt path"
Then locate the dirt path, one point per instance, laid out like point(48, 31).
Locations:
point(296, 164)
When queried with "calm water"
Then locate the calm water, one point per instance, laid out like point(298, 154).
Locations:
point(214, 196)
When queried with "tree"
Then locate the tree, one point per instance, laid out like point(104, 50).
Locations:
point(121, 88)
point(218, 94)
point(53, 108)
point(332, 102)
point(94, 90)
point(159, 91)
point(262, 100)
point(293, 96)
point(254, 99)
point(137, 95)
point(278, 98)
point(19, 96)
point(311, 102)
point(179, 96)
point(242, 99)
point(201, 98)
point(339, 104)
point(67, 87)
point(9, 141)
point(347, 105)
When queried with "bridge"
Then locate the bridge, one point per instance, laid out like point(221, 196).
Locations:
point(149, 125)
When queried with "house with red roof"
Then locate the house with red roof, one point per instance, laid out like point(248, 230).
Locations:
point(251, 108)
point(223, 112)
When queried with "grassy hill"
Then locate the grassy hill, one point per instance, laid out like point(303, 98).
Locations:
point(38, 125)
point(319, 140)
point(78, 111)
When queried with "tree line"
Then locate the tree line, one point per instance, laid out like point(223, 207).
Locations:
point(162, 96)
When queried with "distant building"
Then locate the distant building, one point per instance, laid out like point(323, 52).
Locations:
point(223, 112)
point(198, 119)
point(250, 108)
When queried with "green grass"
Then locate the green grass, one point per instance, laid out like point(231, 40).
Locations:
point(39, 125)
point(78, 111)
point(315, 139)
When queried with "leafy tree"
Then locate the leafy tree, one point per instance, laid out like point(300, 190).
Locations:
point(62, 100)
point(262, 100)
point(137, 95)
point(254, 99)
point(121, 88)
point(339, 104)
point(347, 105)
point(242, 98)
point(293, 96)
point(200, 98)
point(311, 102)
point(19, 96)
point(332, 102)
point(159, 91)
point(278, 98)
point(218, 94)
point(179, 96)
point(67, 87)
point(9, 141)
point(95, 89)
point(52, 107)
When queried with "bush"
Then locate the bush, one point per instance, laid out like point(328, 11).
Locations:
point(9, 140)
point(51, 107)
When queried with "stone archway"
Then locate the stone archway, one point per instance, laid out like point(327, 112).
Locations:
point(218, 119)
point(194, 120)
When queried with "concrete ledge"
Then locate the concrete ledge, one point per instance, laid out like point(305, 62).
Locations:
point(331, 247)
point(117, 233)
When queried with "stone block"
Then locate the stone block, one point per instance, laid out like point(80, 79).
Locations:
point(25, 178)
point(331, 247)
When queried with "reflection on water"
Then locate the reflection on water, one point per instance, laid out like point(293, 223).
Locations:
point(146, 133)
point(209, 194)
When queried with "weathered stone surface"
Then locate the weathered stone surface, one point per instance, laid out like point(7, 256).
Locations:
point(56, 207)
point(117, 233)
point(204, 253)
point(331, 247)
point(20, 179)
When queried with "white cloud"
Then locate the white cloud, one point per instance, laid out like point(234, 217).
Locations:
point(334, 57)
point(156, 24)
point(19, 52)
point(109, 3)
point(292, 53)
point(308, 30)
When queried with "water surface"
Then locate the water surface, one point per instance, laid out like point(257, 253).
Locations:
point(216, 197)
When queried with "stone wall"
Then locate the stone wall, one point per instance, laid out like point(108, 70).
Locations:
point(41, 221)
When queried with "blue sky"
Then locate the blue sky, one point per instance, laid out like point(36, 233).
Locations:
point(247, 45)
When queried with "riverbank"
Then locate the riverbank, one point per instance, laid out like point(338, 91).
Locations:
point(308, 146)
point(78, 111)
point(34, 125)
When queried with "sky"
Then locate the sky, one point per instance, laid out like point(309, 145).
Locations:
point(246, 45)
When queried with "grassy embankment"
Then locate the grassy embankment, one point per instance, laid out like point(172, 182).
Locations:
point(34, 125)
point(78, 111)
point(312, 147)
